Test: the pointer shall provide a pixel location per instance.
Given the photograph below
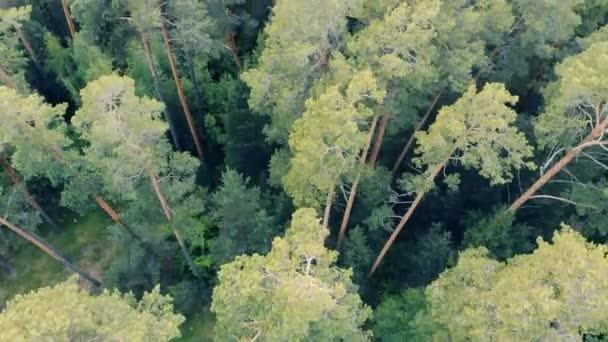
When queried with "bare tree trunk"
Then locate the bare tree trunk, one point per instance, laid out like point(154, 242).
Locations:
point(104, 205)
point(51, 251)
point(68, 18)
point(28, 46)
point(405, 218)
point(410, 142)
point(6, 79)
point(234, 50)
point(152, 65)
point(328, 204)
point(381, 130)
point(194, 79)
point(563, 162)
point(26, 195)
point(355, 185)
point(176, 231)
point(182, 97)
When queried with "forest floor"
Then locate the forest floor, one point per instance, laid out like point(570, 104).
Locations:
point(84, 239)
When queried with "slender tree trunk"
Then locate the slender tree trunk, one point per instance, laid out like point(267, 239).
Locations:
point(152, 65)
point(103, 204)
point(180, 92)
point(405, 218)
point(176, 231)
point(563, 162)
point(355, 185)
point(68, 18)
point(194, 79)
point(116, 217)
point(381, 130)
point(51, 251)
point(328, 204)
point(26, 195)
point(6, 79)
point(28, 46)
point(410, 142)
point(234, 50)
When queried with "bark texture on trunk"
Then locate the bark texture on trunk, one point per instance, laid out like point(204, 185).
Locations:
point(353, 190)
point(154, 72)
point(405, 218)
point(51, 251)
point(68, 18)
point(176, 231)
point(234, 50)
point(6, 79)
point(381, 130)
point(182, 97)
point(26, 195)
point(563, 162)
point(28, 46)
point(328, 203)
point(412, 138)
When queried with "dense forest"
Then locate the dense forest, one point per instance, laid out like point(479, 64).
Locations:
point(303, 170)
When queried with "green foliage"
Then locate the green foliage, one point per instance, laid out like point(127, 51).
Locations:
point(126, 135)
point(395, 317)
point(77, 64)
point(244, 226)
point(542, 296)
point(592, 209)
point(17, 211)
point(193, 28)
point(540, 29)
point(293, 293)
point(67, 312)
point(576, 100)
point(36, 133)
point(326, 140)
point(478, 132)
point(299, 40)
point(498, 233)
point(12, 59)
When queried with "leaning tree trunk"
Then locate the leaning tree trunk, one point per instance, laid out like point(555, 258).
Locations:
point(355, 185)
point(596, 133)
point(176, 231)
point(410, 141)
point(51, 251)
point(405, 218)
point(234, 50)
point(26, 195)
point(381, 130)
point(56, 152)
point(156, 79)
point(328, 203)
point(28, 46)
point(180, 92)
point(68, 18)
point(6, 79)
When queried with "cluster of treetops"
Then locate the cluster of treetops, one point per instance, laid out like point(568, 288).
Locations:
point(295, 163)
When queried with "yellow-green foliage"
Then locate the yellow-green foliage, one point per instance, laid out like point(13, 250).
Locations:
point(557, 293)
point(66, 312)
point(295, 293)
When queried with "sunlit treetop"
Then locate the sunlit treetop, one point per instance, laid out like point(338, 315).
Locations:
point(67, 312)
point(293, 293)
point(576, 101)
point(556, 293)
point(327, 139)
point(299, 39)
point(478, 131)
point(36, 132)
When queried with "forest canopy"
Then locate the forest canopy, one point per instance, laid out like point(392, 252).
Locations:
point(303, 170)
